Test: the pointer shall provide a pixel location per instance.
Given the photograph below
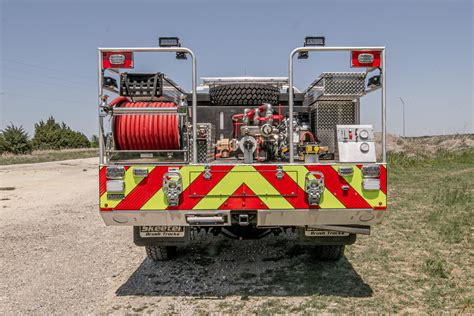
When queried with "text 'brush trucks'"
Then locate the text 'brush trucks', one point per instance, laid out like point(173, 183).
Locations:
point(245, 157)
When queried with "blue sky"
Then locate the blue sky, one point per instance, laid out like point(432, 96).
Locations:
point(49, 52)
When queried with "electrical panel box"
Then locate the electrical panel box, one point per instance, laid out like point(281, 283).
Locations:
point(355, 143)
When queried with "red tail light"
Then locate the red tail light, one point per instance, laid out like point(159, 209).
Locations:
point(365, 59)
point(117, 60)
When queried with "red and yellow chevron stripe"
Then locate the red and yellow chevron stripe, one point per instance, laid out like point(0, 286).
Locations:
point(244, 187)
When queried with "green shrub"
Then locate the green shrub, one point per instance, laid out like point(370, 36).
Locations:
point(15, 140)
point(94, 141)
point(3, 144)
point(53, 135)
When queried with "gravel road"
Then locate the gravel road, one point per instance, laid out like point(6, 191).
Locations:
point(58, 257)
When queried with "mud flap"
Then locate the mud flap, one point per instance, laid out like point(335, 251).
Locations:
point(161, 235)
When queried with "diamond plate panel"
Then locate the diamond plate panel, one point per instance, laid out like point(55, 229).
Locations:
point(325, 115)
point(336, 86)
point(205, 142)
point(352, 84)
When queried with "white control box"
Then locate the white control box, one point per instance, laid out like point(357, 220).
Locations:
point(355, 143)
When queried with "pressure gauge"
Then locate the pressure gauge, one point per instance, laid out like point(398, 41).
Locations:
point(364, 134)
point(267, 130)
point(364, 147)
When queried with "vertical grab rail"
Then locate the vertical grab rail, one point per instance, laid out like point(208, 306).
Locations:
point(383, 98)
point(147, 49)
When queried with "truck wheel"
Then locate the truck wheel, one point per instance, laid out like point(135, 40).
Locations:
point(244, 94)
point(160, 253)
point(329, 253)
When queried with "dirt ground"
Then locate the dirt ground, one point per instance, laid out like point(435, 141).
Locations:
point(58, 257)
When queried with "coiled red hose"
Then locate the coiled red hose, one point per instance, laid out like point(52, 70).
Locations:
point(139, 132)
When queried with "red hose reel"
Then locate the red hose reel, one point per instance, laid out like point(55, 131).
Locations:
point(145, 132)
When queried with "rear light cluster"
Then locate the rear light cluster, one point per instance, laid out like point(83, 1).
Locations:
point(115, 176)
point(371, 177)
point(117, 60)
point(365, 59)
point(115, 172)
point(115, 186)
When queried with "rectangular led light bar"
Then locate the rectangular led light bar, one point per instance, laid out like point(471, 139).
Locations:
point(169, 42)
point(314, 41)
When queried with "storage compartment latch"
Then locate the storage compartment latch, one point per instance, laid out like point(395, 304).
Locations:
point(314, 186)
point(172, 187)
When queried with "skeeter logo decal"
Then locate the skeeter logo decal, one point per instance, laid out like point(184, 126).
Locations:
point(161, 231)
point(314, 232)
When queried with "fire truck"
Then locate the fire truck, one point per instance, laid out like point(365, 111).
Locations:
point(242, 157)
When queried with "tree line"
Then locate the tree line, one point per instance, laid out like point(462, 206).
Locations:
point(49, 134)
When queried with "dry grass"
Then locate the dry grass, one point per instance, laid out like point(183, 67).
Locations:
point(420, 260)
point(426, 146)
point(48, 155)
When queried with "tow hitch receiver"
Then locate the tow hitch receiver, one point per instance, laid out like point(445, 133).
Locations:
point(172, 187)
point(314, 186)
point(244, 220)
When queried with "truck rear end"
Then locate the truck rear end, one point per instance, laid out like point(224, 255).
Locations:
point(245, 157)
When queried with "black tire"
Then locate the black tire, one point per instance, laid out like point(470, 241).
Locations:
point(160, 253)
point(244, 94)
point(329, 253)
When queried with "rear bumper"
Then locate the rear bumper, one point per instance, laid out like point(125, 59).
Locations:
point(265, 218)
point(242, 187)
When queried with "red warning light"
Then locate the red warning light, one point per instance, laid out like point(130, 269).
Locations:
point(365, 59)
point(117, 60)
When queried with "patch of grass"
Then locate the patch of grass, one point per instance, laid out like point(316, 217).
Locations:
point(452, 195)
point(314, 304)
point(441, 157)
point(434, 297)
point(230, 307)
point(272, 307)
point(378, 255)
point(456, 228)
point(436, 268)
point(467, 303)
point(402, 160)
point(452, 214)
point(48, 155)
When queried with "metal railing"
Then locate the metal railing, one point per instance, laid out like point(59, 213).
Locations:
point(335, 49)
